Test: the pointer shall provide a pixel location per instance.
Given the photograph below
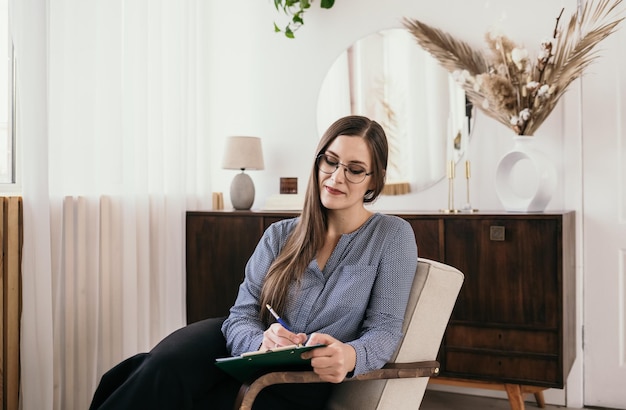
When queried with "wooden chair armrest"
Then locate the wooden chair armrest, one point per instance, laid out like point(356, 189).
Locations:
point(401, 371)
point(249, 390)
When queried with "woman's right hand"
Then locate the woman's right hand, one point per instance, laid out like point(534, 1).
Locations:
point(277, 336)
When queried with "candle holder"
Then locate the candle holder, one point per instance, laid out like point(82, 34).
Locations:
point(468, 173)
point(451, 174)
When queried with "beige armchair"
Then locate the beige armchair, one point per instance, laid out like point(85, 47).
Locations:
point(401, 383)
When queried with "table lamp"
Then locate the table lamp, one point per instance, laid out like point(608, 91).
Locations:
point(242, 153)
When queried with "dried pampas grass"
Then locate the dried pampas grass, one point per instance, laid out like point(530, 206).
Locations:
point(508, 85)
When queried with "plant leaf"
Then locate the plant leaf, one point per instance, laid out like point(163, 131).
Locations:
point(296, 9)
point(297, 18)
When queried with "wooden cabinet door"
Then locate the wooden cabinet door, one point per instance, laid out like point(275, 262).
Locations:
point(512, 269)
point(218, 248)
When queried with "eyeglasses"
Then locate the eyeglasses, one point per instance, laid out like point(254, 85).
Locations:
point(354, 173)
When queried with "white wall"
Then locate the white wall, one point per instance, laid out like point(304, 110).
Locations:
point(266, 85)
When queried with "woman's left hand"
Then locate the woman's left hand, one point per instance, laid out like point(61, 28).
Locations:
point(332, 362)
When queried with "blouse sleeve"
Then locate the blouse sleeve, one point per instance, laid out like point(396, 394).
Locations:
point(243, 329)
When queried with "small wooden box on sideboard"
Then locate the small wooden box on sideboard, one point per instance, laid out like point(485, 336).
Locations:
point(514, 321)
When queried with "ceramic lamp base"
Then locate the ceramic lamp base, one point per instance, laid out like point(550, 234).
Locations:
point(242, 192)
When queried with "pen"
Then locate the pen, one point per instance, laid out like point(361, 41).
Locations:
point(278, 318)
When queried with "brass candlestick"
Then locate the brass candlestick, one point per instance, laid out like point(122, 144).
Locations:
point(468, 173)
point(451, 172)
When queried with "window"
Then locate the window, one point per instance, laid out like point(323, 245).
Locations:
point(7, 69)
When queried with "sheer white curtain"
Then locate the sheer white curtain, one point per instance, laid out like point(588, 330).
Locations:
point(112, 107)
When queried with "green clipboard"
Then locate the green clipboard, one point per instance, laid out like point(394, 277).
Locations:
point(253, 364)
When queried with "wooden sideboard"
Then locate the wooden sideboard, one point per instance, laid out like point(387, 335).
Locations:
point(514, 321)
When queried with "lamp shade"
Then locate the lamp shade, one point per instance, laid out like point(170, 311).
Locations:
point(243, 153)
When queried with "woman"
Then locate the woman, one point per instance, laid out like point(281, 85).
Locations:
point(339, 275)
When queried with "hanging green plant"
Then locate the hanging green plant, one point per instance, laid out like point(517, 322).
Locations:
point(295, 9)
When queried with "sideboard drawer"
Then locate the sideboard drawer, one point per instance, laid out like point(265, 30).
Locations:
point(540, 370)
point(514, 340)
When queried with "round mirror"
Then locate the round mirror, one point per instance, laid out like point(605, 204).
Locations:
point(388, 77)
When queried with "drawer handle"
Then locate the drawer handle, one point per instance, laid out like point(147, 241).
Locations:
point(496, 233)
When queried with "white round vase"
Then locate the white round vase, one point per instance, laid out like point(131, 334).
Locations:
point(525, 177)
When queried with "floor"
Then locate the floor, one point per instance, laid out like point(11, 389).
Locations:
point(436, 400)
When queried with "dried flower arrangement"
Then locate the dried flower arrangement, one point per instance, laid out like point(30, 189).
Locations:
point(506, 83)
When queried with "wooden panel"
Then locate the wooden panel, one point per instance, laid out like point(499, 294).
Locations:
point(428, 237)
point(568, 290)
point(512, 340)
point(218, 248)
point(268, 220)
point(509, 281)
point(11, 231)
point(507, 368)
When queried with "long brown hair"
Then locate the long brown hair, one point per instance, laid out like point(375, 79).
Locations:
point(308, 235)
